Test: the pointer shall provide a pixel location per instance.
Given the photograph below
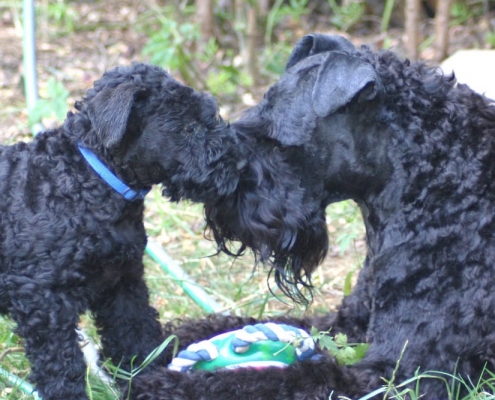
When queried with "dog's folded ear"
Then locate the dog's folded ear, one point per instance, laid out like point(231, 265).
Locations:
point(317, 43)
point(109, 111)
point(342, 78)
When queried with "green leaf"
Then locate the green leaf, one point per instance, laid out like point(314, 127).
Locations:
point(314, 332)
point(348, 283)
point(341, 339)
point(56, 89)
point(327, 343)
point(40, 110)
point(361, 350)
point(54, 104)
point(189, 31)
point(350, 353)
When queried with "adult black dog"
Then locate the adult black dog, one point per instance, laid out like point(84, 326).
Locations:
point(416, 151)
point(71, 216)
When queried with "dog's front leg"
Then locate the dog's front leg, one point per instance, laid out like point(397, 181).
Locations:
point(128, 325)
point(47, 321)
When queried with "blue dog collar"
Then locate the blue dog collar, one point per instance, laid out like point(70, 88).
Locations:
point(119, 186)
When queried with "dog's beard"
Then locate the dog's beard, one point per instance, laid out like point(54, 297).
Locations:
point(286, 231)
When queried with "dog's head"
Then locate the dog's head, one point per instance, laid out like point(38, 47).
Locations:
point(318, 140)
point(151, 129)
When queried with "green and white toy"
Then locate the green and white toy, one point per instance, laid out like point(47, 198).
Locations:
point(255, 346)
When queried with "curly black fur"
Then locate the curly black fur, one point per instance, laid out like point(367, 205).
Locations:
point(416, 151)
point(69, 242)
point(265, 214)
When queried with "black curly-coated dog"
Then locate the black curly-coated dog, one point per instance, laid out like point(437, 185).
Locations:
point(71, 216)
point(416, 151)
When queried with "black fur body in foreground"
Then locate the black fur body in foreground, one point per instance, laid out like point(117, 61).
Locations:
point(416, 151)
point(70, 243)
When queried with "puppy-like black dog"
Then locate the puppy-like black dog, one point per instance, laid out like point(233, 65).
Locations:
point(416, 151)
point(71, 216)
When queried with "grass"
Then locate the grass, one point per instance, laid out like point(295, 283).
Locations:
point(12, 359)
point(240, 289)
point(410, 389)
point(235, 284)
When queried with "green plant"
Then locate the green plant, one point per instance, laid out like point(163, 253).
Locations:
point(61, 14)
point(275, 57)
point(490, 39)
point(119, 373)
point(226, 78)
point(167, 46)
point(53, 104)
point(461, 12)
point(387, 14)
point(295, 9)
point(12, 360)
point(344, 352)
point(172, 43)
point(347, 290)
point(427, 43)
point(387, 43)
point(345, 16)
point(175, 45)
point(346, 218)
point(221, 82)
point(100, 390)
point(455, 385)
